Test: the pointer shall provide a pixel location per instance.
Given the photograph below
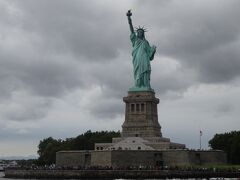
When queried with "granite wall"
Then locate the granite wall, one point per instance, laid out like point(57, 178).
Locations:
point(101, 158)
point(126, 158)
point(73, 158)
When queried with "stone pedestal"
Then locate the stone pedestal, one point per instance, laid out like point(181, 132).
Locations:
point(141, 129)
point(141, 116)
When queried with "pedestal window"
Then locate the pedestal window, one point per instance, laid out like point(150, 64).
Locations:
point(142, 107)
point(132, 107)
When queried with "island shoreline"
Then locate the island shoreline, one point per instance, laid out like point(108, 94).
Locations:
point(111, 174)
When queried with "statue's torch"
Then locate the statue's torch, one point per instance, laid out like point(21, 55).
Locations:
point(129, 13)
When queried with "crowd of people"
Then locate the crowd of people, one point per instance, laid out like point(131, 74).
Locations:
point(139, 167)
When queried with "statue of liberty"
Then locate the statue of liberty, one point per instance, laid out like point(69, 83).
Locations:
point(142, 54)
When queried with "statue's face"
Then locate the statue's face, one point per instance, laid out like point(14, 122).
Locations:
point(140, 33)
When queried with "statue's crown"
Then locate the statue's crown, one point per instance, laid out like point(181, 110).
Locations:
point(139, 28)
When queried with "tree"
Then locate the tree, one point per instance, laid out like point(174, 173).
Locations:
point(228, 142)
point(48, 147)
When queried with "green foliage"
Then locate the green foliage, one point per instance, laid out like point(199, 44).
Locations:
point(48, 147)
point(228, 142)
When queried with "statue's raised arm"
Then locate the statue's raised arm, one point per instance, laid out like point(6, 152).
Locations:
point(129, 14)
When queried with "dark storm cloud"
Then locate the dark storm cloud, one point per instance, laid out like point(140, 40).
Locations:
point(78, 27)
point(221, 65)
point(42, 76)
point(55, 55)
point(46, 50)
point(201, 35)
point(37, 81)
point(54, 47)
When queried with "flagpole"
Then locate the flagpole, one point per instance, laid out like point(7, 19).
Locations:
point(200, 139)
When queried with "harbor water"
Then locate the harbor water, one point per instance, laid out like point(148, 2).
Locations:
point(2, 178)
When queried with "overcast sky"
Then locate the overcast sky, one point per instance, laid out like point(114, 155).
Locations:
point(66, 64)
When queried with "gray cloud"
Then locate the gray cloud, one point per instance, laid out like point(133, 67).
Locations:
point(24, 107)
point(50, 50)
point(201, 35)
point(221, 65)
point(224, 109)
point(80, 28)
point(107, 108)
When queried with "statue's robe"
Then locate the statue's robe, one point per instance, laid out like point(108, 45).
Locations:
point(142, 54)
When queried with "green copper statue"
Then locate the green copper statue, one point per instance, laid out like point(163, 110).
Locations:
point(142, 54)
